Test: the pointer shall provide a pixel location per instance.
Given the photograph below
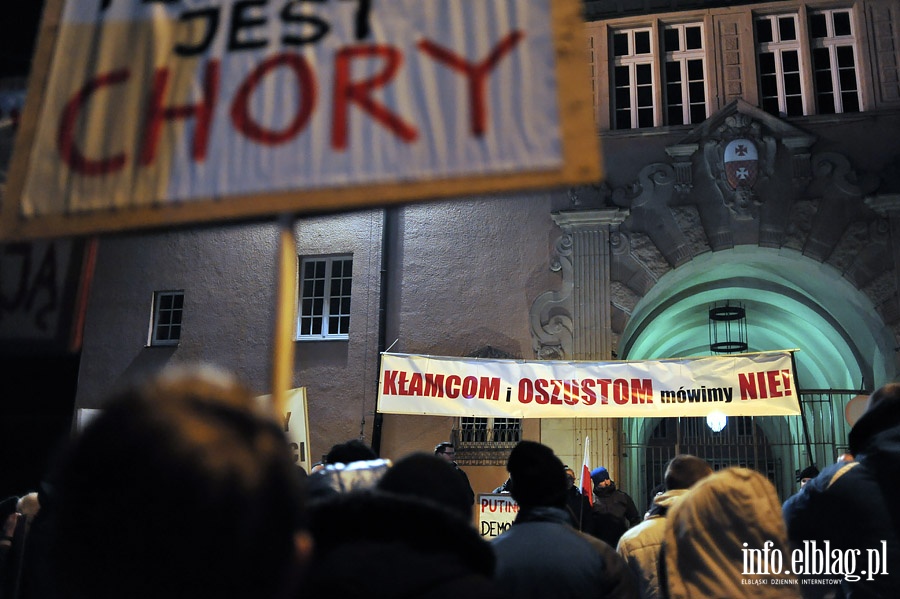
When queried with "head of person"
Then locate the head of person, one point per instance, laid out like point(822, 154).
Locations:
point(182, 487)
point(348, 452)
point(537, 477)
point(710, 528)
point(684, 471)
point(570, 476)
point(445, 450)
point(807, 474)
point(882, 413)
point(430, 478)
point(600, 477)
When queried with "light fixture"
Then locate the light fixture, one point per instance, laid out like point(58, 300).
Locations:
point(727, 328)
point(716, 421)
point(727, 335)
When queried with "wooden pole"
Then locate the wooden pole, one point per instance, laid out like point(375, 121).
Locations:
point(283, 345)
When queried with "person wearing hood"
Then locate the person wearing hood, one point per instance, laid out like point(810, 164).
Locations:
point(614, 509)
point(541, 554)
point(852, 505)
point(640, 545)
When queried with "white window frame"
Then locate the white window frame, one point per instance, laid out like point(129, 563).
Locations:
point(319, 306)
point(632, 61)
point(160, 313)
point(778, 48)
point(831, 43)
point(682, 56)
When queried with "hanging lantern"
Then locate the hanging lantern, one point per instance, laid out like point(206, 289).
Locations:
point(727, 328)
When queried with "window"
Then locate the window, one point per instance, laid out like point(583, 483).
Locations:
point(636, 71)
point(633, 90)
point(168, 309)
point(834, 61)
point(485, 441)
point(325, 298)
point(685, 74)
point(778, 55)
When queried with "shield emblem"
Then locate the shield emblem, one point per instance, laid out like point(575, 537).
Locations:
point(741, 160)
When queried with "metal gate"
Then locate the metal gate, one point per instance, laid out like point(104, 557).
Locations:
point(776, 446)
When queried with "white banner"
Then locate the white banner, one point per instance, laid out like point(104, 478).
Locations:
point(761, 384)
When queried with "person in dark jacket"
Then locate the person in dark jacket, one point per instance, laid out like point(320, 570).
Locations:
point(445, 450)
point(542, 555)
point(853, 506)
point(380, 544)
point(614, 510)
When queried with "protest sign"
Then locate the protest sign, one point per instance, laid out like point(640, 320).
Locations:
point(496, 512)
point(144, 113)
point(294, 417)
point(759, 384)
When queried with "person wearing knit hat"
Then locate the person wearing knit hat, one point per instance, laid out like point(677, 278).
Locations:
point(614, 509)
point(599, 474)
point(541, 554)
point(853, 504)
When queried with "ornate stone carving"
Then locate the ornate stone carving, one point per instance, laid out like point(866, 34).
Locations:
point(552, 327)
point(738, 189)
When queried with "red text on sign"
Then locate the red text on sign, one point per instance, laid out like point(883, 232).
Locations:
point(765, 384)
point(346, 93)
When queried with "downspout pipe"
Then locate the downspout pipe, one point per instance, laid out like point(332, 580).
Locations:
point(389, 228)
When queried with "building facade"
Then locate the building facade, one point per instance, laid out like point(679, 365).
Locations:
point(751, 158)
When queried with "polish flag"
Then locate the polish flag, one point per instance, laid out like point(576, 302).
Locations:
point(587, 485)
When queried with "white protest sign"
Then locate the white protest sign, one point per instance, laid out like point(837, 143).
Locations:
point(496, 512)
point(295, 420)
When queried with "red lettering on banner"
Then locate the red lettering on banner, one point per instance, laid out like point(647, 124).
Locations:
point(571, 393)
point(765, 384)
point(489, 388)
point(620, 392)
point(65, 138)
point(390, 383)
point(604, 390)
point(476, 74)
point(589, 397)
point(453, 384)
point(203, 111)
point(402, 382)
point(415, 384)
point(434, 385)
point(641, 391)
point(346, 91)
point(540, 386)
point(558, 389)
point(240, 111)
point(526, 391)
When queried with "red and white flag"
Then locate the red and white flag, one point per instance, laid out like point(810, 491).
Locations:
point(587, 485)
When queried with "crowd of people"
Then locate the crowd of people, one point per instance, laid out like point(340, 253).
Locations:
point(184, 488)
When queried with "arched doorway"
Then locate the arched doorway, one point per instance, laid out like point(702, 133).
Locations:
point(792, 302)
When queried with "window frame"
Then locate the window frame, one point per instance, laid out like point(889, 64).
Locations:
point(326, 299)
point(658, 59)
point(779, 47)
point(156, 309)
point(831, 43)
point(632, 61)
point(683, 56)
